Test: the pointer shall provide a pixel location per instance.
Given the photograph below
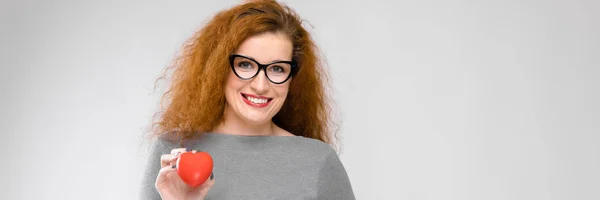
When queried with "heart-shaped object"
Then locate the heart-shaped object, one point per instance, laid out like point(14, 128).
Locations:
point(194, 168)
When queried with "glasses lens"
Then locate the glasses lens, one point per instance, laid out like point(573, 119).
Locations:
point(244, 67)
point(279, 72)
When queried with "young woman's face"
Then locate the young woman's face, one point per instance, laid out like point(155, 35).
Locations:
point(257, 100)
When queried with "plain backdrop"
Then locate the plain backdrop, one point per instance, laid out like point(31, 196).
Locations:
point(438, 99)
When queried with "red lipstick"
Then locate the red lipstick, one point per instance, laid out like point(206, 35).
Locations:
point(257, 105)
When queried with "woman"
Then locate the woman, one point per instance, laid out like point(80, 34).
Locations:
point(250, 91)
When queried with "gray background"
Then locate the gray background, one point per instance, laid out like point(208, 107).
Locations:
point(439, 99)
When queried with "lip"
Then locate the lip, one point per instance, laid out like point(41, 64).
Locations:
point(262, 105)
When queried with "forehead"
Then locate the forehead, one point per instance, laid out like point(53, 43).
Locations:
point(267, 47)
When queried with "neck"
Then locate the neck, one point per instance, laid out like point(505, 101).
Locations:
point(232, 124)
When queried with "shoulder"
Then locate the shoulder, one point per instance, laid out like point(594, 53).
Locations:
point(169, 139)
point(324, 154)
point(312, 148)
point(313, 143)
point(332, 179)
point(308, 145)
point(173, 140)
point(164, 143)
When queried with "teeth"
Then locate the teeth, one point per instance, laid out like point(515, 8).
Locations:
point(257, 100)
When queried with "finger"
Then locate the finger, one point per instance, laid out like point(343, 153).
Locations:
point(168, 159)
point(205, 187)
point(162, 174)
point(178, 150)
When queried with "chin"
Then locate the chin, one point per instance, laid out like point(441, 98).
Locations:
point(256, 120)
point(257, 116)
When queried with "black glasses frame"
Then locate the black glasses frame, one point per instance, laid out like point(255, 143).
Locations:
point(292, 63)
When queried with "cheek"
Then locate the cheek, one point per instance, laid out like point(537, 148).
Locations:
point(233, 84)
point(282, 90)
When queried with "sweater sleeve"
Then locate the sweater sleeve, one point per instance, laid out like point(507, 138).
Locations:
point(148, 190)
point(333, 181)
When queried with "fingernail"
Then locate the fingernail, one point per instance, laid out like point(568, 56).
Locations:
point(176, 154)
point(212, 175)
point(173, 166)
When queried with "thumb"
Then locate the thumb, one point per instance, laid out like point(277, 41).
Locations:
point(162, 175)
point(205, 187)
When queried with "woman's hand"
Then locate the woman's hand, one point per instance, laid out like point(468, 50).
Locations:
point(170, 186)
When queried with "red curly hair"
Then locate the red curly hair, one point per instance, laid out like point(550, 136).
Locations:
point(196, 98)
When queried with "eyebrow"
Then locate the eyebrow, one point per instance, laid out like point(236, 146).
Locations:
point(273, 61)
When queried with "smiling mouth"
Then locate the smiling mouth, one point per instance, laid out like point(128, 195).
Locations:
point(256, 100)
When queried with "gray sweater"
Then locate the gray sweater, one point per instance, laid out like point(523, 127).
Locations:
point(261, 167)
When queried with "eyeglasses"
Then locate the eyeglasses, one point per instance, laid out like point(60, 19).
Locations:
point(247, 68)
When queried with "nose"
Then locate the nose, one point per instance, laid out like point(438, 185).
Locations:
point(260, 84)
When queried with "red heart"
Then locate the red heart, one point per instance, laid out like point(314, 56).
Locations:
point(194, 168)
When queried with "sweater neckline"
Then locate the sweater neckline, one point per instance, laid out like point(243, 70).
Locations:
point(231, 142)
point(215, 134)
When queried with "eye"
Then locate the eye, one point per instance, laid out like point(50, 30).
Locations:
point(277, 69)
point(245, 65)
